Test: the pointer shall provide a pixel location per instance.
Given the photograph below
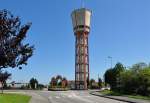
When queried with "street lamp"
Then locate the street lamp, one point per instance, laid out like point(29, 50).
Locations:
point(109, 57)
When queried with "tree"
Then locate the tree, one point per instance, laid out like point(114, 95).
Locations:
point(64, 82)
point(41, 86)
point(128, 82)
point(144, 82)
point(53, 82)
point(59, 80)
point(136, 67)
point(88, 82)
point(109, 77)
point(33, 83)
point(59, 77)
point(3, 77)
point(136, 82)
point(13, 52)
point(92, 84)
point(100, 82)
point(112, 76)
point(119, 68)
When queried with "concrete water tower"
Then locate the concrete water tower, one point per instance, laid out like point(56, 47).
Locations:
point(81, 26)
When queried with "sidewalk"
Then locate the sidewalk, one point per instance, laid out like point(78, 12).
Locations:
point(121, 98)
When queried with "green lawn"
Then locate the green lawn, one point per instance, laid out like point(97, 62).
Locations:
point(139, 97)
point(14, 98)
point(112, 93)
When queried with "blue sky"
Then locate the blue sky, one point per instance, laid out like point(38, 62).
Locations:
point(119, 28)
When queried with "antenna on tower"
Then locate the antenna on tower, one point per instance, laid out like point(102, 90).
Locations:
point(83, 4)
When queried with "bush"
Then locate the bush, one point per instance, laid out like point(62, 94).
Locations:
point(136, 82)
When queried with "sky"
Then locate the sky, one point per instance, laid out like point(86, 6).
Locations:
point(119, 28)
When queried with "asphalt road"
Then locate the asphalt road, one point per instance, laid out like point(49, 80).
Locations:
point(65, 97)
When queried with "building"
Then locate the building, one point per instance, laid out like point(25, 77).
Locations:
point(17, 85)
point(81, 26)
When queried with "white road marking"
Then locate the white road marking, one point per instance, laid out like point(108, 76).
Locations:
point(74, 95)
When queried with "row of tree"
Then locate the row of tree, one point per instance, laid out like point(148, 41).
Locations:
point(95, 85)
point(62, 82)
point(3, 77)
point(134, 80)
point(34, 84)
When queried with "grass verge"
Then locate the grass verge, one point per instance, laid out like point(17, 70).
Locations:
point(139, 97)
point(14, 98)
point(112, 93)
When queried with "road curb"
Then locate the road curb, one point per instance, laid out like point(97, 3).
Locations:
point(93, 93)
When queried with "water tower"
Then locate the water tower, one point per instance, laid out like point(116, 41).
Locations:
point(81, 26)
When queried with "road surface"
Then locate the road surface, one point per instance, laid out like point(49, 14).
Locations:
point(65, 97)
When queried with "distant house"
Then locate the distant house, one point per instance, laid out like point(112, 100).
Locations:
point(17, 85)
